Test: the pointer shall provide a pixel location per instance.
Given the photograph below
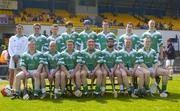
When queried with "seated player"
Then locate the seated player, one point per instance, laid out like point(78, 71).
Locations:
point(91, 68)
point(31, 64)
point(69, 65)
point(127, 60)
point(149, 61)
point(109, 67)
point(51, 71)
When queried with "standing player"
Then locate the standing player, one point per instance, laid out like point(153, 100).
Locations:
point(150, 61)
point(17, 46)
point(70, 34)
point(41, 40)
point(101, 37)
point(31, 64)
point(84, 35)
point(51, 58)
point(109, 67)
point(156, 41)
point(136, 43)
point(91, 68)
point(69, 64)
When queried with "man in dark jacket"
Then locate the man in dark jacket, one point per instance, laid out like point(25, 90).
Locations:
point(170, 53)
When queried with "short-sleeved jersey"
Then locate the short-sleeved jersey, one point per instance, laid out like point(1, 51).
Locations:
point(51, 60)
point(31, 62)
point(74, 36)
point(136, 42)
point(92, 59)
point(84, 36)
point(149, 58)
point(109, 57)
point(156, 39)
point(60, 45)
point(52, 38)
point(101, 39)
point(129, 59)
point(41, 42)
point(70, 60)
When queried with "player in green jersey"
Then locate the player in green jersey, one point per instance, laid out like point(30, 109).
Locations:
point(41, 40)
point(51, 71)
point(31, 64)
point(69, 64)
point(109, 67)
point(149, 62)
point(91, 68)
point(101, 37)
point(156, 38)
point(127, 59)
point(84, 35)
point(70, 34)
point(136, 43)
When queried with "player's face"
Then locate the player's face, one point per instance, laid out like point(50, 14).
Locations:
point(37, 29)
point(19, 30)
point(91, 44)
point(105, 25)
point(55, 30)
point(52, 46)
point(129, 28)
point(128, 43)
point(87, 26)
point(147, 43)
point(110, 43)
point(32, 46)
point(151, 24)
point(69, 28)
point(70, 45)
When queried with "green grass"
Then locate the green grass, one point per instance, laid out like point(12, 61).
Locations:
point(107, 103)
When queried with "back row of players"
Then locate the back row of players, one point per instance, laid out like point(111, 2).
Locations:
point(90, 55)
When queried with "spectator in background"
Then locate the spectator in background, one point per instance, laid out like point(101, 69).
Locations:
point(170, 53)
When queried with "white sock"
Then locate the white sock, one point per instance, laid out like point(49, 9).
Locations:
point(43, 90)
point(55, 90)
point(121, 87)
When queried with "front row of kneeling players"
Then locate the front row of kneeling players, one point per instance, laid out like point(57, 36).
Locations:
point(91, 63)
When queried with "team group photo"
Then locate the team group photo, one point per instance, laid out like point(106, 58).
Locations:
point(70, 59)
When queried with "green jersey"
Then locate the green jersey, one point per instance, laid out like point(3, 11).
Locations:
point(41, 42)
point(92, 59)
point(51, 59)
point(136, 42)
point(84, 36)
point(109, 57)
point(74, 36)
point(156, 39)
point(147, 57)
point(31, 62)
point(101, 39)
point(70, 60)
point(129, 59)
point(52, 38)
point(60, 45)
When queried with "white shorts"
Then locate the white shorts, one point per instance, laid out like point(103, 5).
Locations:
point(169, 62)
point(11, 64)
point(31, 72)
point(51, 70)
